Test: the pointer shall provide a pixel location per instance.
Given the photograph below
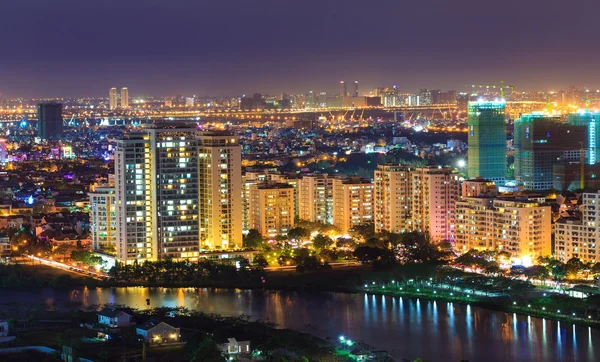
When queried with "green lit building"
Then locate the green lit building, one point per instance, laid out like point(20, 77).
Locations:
point(487, 140)
point(541, 141)
point(591, 120)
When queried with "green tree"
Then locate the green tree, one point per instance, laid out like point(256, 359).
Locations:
point(260, 261)
point(322, 242)
point(298, 233)
point(253, 239)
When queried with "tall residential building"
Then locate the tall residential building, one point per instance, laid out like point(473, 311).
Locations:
point(578, 238)
point(103, 223)
point(248, 179)
point(343, 91)
point(352, 202)
point(156, 183)
point(434, 192)
point(355, 91)
point(521, 228)
point(487, 140)
point(542, 141)
point(316, 198)
point(271, 208)
point(293, 180)
point(392, 198)
point(50, 121)
point(113, 98)
point(124, 98)
point(416, 199)
point(3, 153)
point(219, 186)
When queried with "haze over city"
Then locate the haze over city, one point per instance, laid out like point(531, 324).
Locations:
point(73, 48)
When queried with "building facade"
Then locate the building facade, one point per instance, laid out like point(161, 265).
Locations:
point(352, 202)
point(113, 98)
point(220, 183)
point(124, 98)
point(50, 122)
point(392, 198)
point(316, 198)
point(542, 141)
point(103, 223)
point(521, 228)
point(578, 238)
point(271, 208)
point(487, 140)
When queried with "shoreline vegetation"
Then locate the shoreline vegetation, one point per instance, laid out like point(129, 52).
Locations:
point(201, 335)
point(425, 280)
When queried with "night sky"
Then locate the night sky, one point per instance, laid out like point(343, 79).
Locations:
point(221, 47)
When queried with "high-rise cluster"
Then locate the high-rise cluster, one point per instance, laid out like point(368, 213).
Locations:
point(113, 98)
point(177, 193)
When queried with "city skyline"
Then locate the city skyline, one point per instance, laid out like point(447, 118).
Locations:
point(214, 48)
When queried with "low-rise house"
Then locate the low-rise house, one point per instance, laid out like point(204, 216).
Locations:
point(4, 245)
point(234, 346)
point(155, 331)
point(3, 328)
point(114, 318)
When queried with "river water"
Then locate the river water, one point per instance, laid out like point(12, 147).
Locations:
point(406, 328)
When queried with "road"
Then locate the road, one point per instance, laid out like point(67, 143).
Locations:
point(69, 268)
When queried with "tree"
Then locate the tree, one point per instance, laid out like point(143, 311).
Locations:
point(201, 348)
point(573, 267)
point(322, 242)
point(260, 261)
point(367, 254)
point(253, 239)
point(298, 233)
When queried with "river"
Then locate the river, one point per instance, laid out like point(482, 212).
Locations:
point(406, 328)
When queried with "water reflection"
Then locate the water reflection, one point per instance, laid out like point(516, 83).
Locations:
point(407, 328)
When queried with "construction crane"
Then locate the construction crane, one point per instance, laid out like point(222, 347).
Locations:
point(588, 102)
point(502, 87)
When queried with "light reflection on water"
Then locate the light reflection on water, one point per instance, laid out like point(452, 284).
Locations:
point(406, 328)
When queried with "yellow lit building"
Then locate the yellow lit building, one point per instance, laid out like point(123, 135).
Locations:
point(156, 191)
point(219, 185)
point(521, 228)
point(271, 208)
point(416, 199)
point(352, 202)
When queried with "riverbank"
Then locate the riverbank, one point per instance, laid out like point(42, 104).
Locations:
point(201, 336)
point(547, 305)
point(393, 282)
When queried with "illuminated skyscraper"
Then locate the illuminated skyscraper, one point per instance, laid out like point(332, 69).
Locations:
point(590, 120)
point(156, 188)
point(343, 91)
point(50, 122)
point(103, 224)
point(124, 98)
point(487, 140)
point(355, 92)
point(113, 100)
point(542, 141)
point(220, 191)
